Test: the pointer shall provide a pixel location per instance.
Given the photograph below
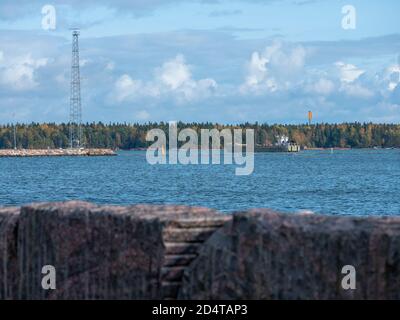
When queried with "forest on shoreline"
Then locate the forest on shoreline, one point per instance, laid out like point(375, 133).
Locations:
point(131, 136)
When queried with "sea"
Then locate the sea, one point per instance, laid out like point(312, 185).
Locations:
point(343, 182)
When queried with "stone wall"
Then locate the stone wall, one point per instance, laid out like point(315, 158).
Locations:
point(169, 252)
point(8, 253)
point(100, 252)
point(266, 255)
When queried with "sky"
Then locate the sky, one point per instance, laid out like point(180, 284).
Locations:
point(220, 61)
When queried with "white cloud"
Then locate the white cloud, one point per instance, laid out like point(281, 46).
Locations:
point(18, 73)
point(280, 72)
point(257, 70)
point(351, 82)
point(126, 86)
point(277, 68)
point(316, 82)
point(175, 73)
point(348, 72)
point(172, 78)
point(393, 77)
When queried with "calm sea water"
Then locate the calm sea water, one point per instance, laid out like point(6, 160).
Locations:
point(359, 182)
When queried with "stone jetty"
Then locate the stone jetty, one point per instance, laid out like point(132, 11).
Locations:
point(55, 152)
point(178, 252)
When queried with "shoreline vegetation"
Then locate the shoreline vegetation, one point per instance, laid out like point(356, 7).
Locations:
point(126, 136)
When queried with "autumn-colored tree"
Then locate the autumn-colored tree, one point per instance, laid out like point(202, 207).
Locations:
point(129, 136)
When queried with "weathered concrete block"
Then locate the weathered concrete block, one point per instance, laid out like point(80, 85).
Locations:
point(8, 253)
point(266, 255)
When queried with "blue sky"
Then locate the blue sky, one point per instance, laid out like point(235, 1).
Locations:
point(205, 60)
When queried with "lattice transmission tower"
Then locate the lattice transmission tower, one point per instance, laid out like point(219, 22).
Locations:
point(75, 115)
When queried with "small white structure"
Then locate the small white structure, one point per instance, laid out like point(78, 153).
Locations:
point(282, 140)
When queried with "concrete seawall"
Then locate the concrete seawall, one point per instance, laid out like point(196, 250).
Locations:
point(170, 252)
point(55, 152)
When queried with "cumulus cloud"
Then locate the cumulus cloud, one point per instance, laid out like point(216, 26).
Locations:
point(286, 78)
point(174, 73)
point(125, 86)
point(173, 78)
point(282, 83)
point(282, 69)
point(351, 82)
point(277, 68)
point(18, 73)
point(392, 76)
point(348, 72)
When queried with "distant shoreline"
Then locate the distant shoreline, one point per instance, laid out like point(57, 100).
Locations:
point(305, 149)
point(333, 148)
point(133, 136)
point(340, 148)
point(93, 152)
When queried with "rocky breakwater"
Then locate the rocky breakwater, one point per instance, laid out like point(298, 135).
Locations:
point(169, 252)
point(55, 152)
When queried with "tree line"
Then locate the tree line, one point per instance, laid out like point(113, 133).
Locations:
point(131, 136)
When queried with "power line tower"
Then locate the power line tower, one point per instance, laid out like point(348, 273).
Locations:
point(75, 115)
point(15, 133)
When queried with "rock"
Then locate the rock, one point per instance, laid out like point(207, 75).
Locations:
point(266, 255)
point(98, 252)
point(104, 252)
point(169, 252)
point(8, 253)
